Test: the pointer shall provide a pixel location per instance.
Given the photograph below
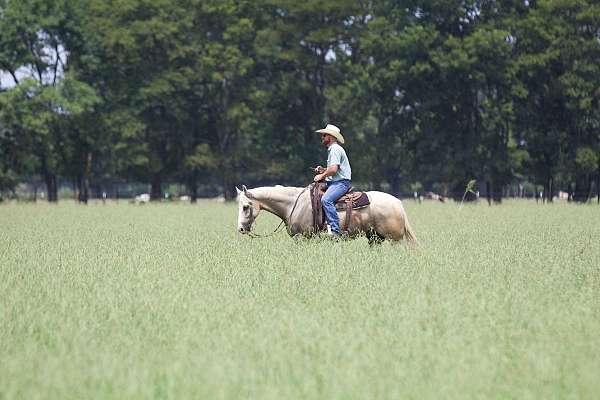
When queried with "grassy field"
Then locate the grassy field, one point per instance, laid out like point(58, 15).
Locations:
point(167, 301)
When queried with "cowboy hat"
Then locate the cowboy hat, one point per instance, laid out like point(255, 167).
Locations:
point(333, 131)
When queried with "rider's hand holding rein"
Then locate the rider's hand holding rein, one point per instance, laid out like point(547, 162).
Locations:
point(325, 172)
point(319, 170)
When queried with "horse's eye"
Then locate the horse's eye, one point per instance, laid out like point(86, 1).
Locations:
point(246, 207)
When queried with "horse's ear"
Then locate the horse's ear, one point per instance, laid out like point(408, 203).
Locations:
point(245, 189)
point(238, 190)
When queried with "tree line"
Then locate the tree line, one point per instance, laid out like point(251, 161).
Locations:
point(429, 94)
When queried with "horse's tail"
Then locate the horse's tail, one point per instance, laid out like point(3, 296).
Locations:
point(409, 234)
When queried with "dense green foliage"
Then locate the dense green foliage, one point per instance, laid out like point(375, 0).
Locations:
point(209, 93)
point(168, 301)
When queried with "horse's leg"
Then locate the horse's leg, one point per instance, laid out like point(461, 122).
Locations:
point(373, 237)
point(370, 237)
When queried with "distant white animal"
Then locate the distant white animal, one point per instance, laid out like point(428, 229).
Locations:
point(143, 198)
point(435, 196)
point(218, 199)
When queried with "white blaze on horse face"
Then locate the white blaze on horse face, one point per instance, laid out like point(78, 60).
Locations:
point(246, 214)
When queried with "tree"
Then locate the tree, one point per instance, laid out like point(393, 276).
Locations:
point(223, 89)
point(139, 42)
point(558, 52)
point(34, 55)
point(299, 50)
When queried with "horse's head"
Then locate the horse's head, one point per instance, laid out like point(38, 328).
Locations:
point(248, 210)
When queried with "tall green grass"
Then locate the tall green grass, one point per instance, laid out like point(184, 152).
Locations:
point(169, 302)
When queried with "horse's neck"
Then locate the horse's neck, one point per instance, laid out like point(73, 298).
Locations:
point(277, 200)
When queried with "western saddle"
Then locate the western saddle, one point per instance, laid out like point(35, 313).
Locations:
point(351, 200)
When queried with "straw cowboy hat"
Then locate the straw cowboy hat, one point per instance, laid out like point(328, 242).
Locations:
point(333, 131)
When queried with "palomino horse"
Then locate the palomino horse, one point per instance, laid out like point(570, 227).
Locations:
point(384, 218)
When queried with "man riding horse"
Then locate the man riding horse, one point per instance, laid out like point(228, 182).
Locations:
point(337, 175)
point(381, 218)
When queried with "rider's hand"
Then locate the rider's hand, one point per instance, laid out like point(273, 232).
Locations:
point(318, 178)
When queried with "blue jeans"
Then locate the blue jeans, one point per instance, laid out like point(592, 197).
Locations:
point(335, 190)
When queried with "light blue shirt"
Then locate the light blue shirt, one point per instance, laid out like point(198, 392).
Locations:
point(336, 155)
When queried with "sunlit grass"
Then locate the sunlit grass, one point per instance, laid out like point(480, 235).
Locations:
point(168, 301)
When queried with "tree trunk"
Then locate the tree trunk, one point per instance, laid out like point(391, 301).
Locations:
point(85, 182)
point(75, 184)
point(598, 185)
point(78, 190)
point(394, 181)
point(227, 192)
point(51, 187)
point(228, 178)
point(156, 187)
point(549, 189)
point(588, 191)
point(83, 191)
point(521, 191)
point(498, 194)
point(193, 186)
point(571, 190)
point(581, 187)
point(193, 190)
point(488, 192)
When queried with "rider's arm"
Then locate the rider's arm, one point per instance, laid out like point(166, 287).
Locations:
point(328, 172)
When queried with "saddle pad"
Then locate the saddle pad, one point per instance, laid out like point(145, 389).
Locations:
point(360, 202)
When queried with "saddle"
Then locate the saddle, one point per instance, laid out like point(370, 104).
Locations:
point(351, 200)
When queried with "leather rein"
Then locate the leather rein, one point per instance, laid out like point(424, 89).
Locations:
point(256, 235)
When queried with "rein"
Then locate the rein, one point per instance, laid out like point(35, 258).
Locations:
point(256, 235)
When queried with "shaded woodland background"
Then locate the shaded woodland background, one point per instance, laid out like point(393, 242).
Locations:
point(102, 96)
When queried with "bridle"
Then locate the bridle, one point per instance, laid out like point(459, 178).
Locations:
point(256, 235)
